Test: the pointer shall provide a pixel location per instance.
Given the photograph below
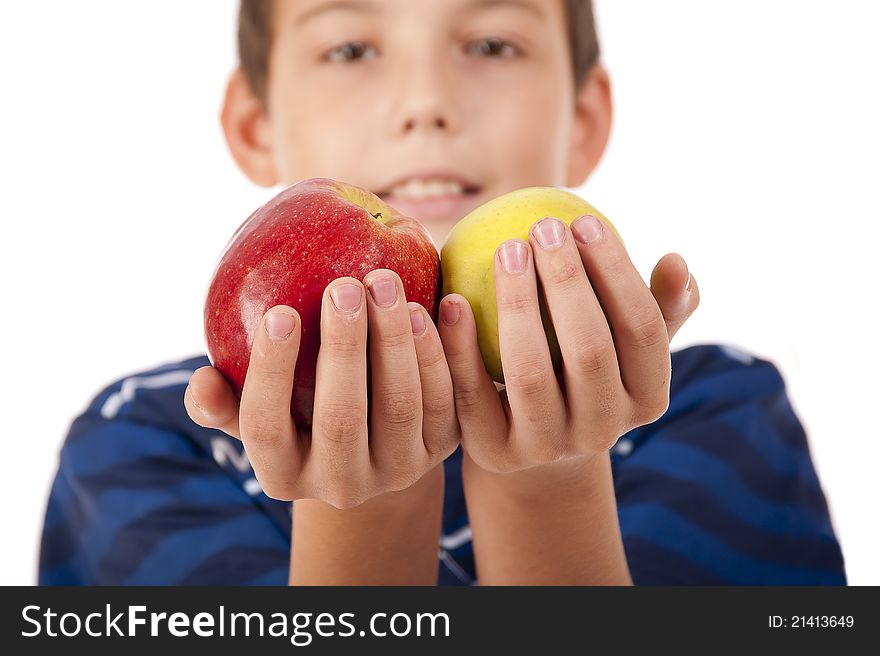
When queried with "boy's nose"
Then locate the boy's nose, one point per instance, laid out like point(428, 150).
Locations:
point(425, 117)
point(424, 103)
point(412, 123)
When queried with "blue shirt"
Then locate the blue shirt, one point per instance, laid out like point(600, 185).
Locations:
point(720, 490)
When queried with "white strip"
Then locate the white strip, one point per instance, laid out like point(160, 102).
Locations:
point(252, 487)
point(454, 567)
point(736, 353)
point(130, 385)
point(460, 537)
point(623, 447)
point(225, 452)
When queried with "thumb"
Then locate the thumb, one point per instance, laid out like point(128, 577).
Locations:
point(210, 401)
point(675, 291)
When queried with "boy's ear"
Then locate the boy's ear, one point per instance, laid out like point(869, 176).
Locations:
point(246, 127)
point(592, 125)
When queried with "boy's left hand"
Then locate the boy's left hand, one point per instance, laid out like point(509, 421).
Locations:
point(613, 333)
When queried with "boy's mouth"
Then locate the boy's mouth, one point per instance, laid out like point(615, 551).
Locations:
point(433, 197)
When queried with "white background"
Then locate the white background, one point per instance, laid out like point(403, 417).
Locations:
point(746, 138)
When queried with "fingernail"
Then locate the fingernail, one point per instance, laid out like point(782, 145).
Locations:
point(383, 290)
point(450, 311)
point(346, 297)
point(417, 319)
point(279, 325)
point(192, 397)
point(687, 287)
point(549, 232)
point(514, 256)
point(587, 228)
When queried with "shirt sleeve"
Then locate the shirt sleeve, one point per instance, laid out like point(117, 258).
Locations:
point(135, 504)
point(722, 489)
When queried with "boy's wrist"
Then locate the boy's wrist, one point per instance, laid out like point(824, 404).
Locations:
point(390, 539)
point(549, 479)
point(423, 491)
point(429, 487)
point(551, 525)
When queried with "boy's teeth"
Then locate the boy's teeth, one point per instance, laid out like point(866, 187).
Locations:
point(427, 189)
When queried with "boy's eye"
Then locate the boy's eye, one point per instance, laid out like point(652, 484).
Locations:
point(492, 47)
point(351, 51)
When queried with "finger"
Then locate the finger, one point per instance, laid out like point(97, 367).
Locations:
point(536, 402)
point(340, 446)
point(440, 429)
point(636, 322)
point(267, 429)
point(210, 401)
point(675, 291)
point(590, 368)
point(396, 404)
point(484, 424)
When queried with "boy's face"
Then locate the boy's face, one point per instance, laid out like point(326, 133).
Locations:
point(378, 92)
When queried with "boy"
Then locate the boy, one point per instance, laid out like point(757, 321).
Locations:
point(611, 472)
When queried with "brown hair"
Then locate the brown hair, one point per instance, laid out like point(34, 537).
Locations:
point(255, 40)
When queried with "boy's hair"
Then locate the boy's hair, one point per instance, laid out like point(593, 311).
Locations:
point(255, 40)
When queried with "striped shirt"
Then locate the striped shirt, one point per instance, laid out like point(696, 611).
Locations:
point(720, 490)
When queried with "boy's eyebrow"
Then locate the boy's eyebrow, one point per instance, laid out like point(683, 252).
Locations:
point(335, 5)
point(520, 4)
point(368, 7)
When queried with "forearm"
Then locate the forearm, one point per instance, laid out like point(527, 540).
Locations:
point(392, 539)
point(542, 526)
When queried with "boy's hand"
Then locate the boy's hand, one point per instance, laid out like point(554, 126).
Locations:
point(613, 332)
point(341, 461)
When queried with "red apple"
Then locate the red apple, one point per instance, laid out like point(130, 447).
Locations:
point(288, 251)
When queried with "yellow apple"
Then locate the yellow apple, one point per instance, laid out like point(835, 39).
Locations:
point(467, 257)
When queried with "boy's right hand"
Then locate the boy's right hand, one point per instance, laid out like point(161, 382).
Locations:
point(413, 425)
